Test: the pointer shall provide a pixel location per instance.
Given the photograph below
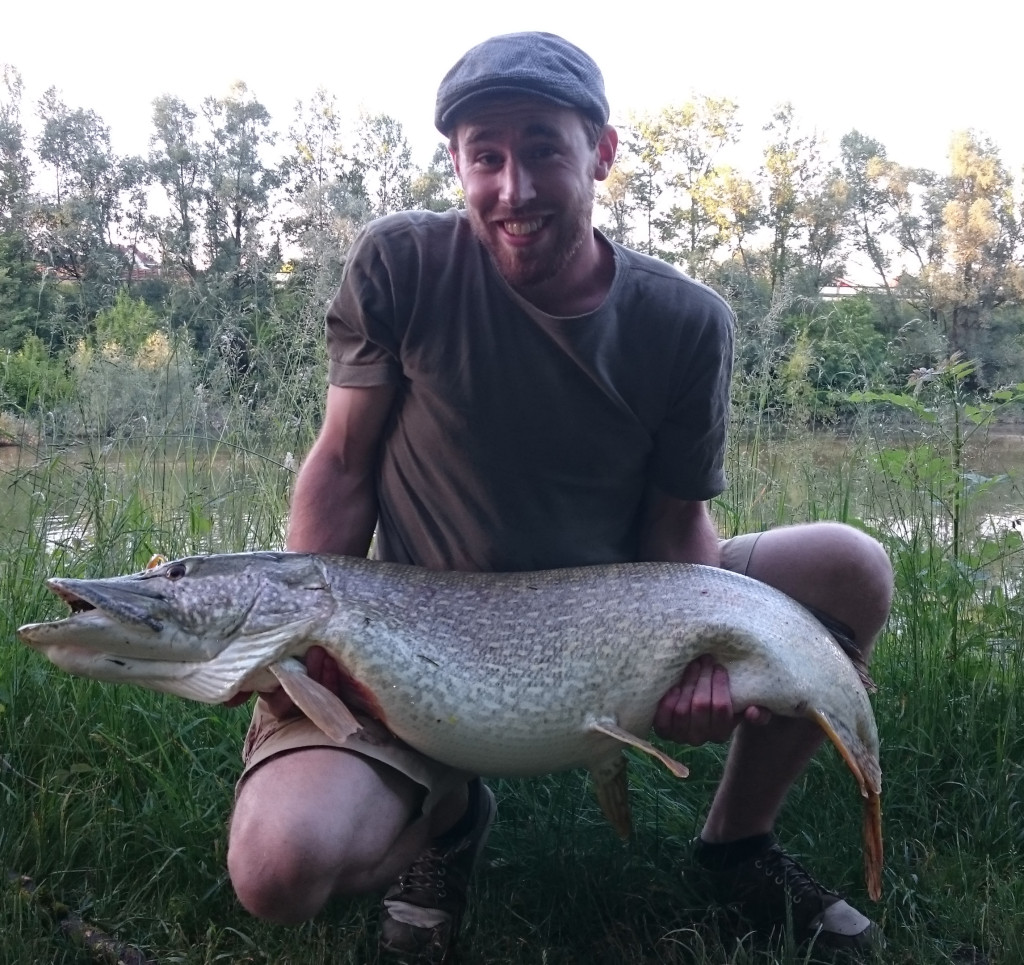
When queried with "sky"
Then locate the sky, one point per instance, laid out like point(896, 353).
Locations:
point(903, 71)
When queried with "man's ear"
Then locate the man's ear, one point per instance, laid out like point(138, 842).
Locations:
point(607, 144)
point(453, 152)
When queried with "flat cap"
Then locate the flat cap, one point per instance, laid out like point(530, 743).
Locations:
point(532, 63)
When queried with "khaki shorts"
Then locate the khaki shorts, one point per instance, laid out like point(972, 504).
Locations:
point(270, 736)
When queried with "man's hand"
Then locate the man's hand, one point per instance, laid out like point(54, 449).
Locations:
point(323, 668)
point(699, 708)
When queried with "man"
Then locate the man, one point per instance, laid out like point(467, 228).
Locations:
point(510, 391)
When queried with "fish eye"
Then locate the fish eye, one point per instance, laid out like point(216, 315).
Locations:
point(175, 571)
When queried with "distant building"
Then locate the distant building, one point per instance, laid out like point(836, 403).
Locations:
point(844, 288)
point(144, 265)
point(840, 288)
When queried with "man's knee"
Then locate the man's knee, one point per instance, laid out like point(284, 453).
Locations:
point(831, 567)
point(274, 876)
point(863, 565)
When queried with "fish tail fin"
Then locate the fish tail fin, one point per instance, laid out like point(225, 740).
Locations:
point(872, 835)
point(864, 766)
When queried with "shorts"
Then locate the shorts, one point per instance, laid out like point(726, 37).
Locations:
point(269, 736)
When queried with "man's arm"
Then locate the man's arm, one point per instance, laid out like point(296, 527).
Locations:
point(699, 707)
point(678, 531)
point(334, 505)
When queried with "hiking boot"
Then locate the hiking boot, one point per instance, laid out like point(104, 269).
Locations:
point(774, 892)
point(422, 911)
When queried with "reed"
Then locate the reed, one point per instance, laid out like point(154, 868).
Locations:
point(114, 801)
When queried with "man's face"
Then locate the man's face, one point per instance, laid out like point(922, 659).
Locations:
point(528, 169)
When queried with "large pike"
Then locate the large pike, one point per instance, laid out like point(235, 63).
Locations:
point(493, 673)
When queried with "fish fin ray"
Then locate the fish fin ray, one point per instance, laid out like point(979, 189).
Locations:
point(323, 707)
point(612, 792)
point(610, 729)
point(865, 770)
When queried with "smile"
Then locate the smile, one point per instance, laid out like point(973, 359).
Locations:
point(522, 228)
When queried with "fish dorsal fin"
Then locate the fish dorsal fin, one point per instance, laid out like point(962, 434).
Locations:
point(607, 726)
point(325, 708)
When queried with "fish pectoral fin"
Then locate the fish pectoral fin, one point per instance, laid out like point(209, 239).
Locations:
point(612, 793)
point(611, 729)
point(326, 709)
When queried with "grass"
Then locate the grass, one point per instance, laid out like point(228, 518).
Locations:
point(114, 801)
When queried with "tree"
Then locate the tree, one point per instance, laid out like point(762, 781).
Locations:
point(864, 163)
point(127, 323)
point(800, 192)
point(436, 188)
point(823, 213)
point(974, 266)
point(615, 196)
point(690, 139)
point(23, 291)
point(385, 163)
point(323, 183)
point(176, 163)
point(641, 163)
point(733, 203)
point(15, 167)
point(76, 223)
point(237, 182)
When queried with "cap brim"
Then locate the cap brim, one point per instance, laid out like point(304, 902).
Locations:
point(464, 106)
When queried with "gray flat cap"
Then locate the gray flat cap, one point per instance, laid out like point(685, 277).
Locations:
point(532, 63)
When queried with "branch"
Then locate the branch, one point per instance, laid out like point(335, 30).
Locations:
point(104, 948)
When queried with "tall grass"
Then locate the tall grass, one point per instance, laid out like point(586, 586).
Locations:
point(114, 800)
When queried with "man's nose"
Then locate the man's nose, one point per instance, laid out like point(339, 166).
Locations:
point(516, 185)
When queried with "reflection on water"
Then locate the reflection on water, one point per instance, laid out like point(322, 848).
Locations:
point(997, 525)
point(221, 496)
point(60, 532)
point(186, 496)
point(988, 526)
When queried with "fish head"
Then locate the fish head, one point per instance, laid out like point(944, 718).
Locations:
point(200, 627)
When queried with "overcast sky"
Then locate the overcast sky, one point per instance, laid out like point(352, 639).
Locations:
point(907, 73)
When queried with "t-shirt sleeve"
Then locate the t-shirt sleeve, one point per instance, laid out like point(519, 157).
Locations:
point(689, 447)
point(362, 341)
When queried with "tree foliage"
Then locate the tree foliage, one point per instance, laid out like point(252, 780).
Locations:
point(228, 238)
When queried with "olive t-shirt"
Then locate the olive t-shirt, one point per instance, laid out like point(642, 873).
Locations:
point(521, 440)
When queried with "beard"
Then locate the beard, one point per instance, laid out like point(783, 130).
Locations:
point(525, 267)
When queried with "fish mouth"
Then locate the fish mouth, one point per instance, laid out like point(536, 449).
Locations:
point(101, 620)
point(76, 604)
point(118, 607)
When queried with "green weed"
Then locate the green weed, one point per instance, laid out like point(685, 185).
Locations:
point(115, 801)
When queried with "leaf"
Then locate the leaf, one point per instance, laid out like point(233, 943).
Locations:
point(896, 399)
point(1014, 393)
point(979, 415)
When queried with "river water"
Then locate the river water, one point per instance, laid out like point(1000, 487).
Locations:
point(896, 486)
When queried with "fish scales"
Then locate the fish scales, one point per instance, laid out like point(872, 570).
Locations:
point(492, 673)
point(488, 665)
